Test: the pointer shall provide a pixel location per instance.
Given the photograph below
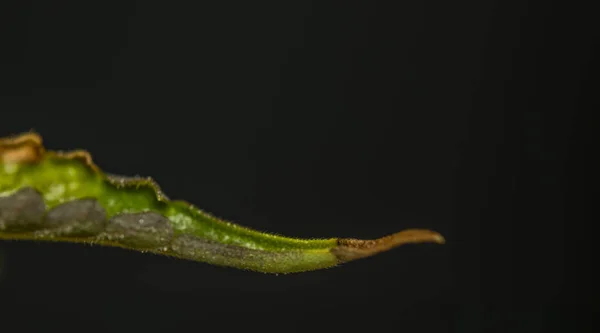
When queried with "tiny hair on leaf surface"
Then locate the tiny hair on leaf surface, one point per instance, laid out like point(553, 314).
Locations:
point(64, 197)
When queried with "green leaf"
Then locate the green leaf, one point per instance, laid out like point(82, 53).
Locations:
point(64, 196)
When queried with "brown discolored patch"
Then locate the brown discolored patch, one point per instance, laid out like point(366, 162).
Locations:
point(80, 218)
point(141, 230)
point(23, 148)
point(29, 137)
point(22, 211)
point(351, 249)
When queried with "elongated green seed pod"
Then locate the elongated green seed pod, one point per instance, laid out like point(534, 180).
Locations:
point(65, 197)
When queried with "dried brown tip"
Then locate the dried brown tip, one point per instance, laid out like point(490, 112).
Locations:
point(23, 148)
point(351, 249)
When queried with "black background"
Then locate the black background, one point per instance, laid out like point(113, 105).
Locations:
point(314, 119)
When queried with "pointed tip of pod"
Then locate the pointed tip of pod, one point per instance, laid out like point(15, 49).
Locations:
point(349, 249)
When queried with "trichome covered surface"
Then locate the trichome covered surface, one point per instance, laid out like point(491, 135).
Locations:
point(64, 196)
